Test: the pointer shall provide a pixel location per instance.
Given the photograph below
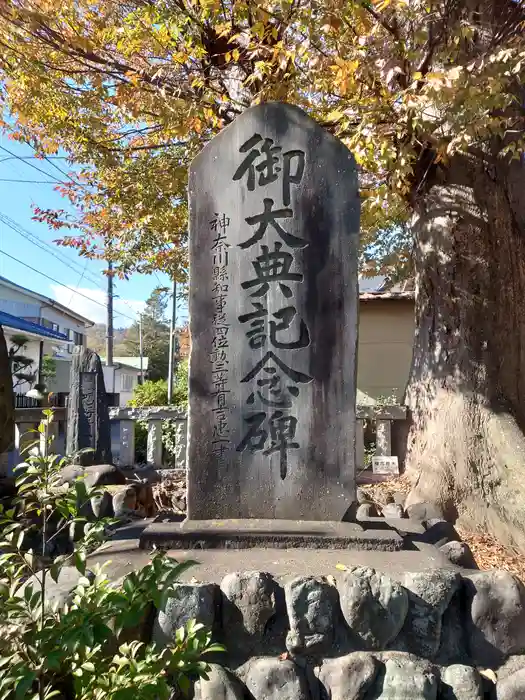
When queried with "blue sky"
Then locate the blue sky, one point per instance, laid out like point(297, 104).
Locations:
point(83, 277)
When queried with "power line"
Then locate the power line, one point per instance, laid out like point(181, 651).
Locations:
point(61, 284)
point(43, 245)
point(33, 182)
point(31, 165)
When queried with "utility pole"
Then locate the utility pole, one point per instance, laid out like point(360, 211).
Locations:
point(109, 334)
point(173, 325)
point(141, 350)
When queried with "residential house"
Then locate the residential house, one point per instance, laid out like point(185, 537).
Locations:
point(42, 311)
point(122, 377)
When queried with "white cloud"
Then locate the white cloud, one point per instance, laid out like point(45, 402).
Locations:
point(91, 303)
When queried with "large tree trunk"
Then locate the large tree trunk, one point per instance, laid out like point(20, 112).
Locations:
point(466, 392)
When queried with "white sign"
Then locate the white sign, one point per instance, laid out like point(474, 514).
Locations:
point(385, 465)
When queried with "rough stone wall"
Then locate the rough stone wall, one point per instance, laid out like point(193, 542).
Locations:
point(362, 637)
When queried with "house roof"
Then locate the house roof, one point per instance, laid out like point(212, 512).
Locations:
point(387, 296)
point(20, 324)
point(372, 288)
point(133, 362)
point(47, 301)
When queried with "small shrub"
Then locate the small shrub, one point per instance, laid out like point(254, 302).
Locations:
point(69, 652)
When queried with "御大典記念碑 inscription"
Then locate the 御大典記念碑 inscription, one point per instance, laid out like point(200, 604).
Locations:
point(274, 214)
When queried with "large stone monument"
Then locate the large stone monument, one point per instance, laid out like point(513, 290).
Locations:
point(274, 227)
point(88, 425)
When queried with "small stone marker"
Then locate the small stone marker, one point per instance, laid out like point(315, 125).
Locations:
point(88, 423)
point(274, 227)
point(385, 465)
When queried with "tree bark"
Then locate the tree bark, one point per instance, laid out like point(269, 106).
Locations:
point(466, 392)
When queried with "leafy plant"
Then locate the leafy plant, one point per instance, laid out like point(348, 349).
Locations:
point(69, 651)
point(21, 365)
point(150, 394)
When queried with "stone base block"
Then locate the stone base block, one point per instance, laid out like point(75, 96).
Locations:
point(277, 534)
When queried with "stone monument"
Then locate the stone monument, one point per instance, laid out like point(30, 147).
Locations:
point(274, 228)
point(88, 423)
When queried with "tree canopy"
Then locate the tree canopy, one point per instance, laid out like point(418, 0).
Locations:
point(155, 335)
point(133, 89)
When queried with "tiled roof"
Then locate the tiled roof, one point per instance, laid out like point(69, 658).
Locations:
point(20, 324)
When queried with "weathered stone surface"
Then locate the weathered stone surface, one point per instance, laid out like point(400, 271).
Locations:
point(249, 603)
point(273, 679)
point(512, 687)
point(95, 475)
point(393, 510)
point(440, 532)
point(87, 416)
point(429, 594)
point(366, 510)
point(406, 678)
point(496, 623)
point(102, 506)
point(221, 685)
point(362, 496)
point(453, 644)
point(313, 613)
point(124, 501)
point(400, 498)
point(283, 228)
point(188, 602)
point(459, 682)
point(348, 677)
point(373, 605)
point(7, 401)
point(460, 554)
point(424, 511)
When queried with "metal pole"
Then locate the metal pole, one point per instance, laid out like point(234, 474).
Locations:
point(109, 334)
point(141, 350)
point(173, 325)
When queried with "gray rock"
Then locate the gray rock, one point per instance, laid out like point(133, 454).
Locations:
point(460, 682)
point(453, 645)
point(439, 532)
point(249, 603)
point(512, 665)
point(362, 496)
point(496, 624)
point(429, 594)
point(400, 498)
point(373, 605)
point(406, 678)
point(124, 502)
point(512, 687)
point(459, 553)
point(348, 677)
point(393, 510)
point(366, 510)
point(424, 511)
point(220, 685)
point(102, 506)
point(273, 679)
point(96, 475)
point(188, 602)
point(313, 612)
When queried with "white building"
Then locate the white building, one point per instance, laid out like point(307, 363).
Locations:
point(66, 328)
point(122, 378)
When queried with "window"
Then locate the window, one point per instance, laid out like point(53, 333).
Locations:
point(126, 382)
point(55, 327)
point(78, 338)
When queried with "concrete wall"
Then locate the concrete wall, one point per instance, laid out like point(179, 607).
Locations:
point(386, 335)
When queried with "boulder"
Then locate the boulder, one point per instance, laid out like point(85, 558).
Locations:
point(249, 602)
point(453, 646)
point(459, 553)
point(366, 510)
point(512, 687)
point(313, 613)
point(362, 496)
point(496, 620)
point(274, 679)
point(460, 682)
point(400, 498)
point(220, 685)
point(393, 510)
point(424, 511)
point(373, 605)
point(102, 506)
point(429, 594)
point(188, 602)
point(124, 502)
point(348, 677)
point(406, 678)
point(96, 475)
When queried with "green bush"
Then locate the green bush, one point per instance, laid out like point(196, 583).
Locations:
point(150, 394)
point(78, 651)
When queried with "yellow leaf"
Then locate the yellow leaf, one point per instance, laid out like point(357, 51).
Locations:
point(341, 567)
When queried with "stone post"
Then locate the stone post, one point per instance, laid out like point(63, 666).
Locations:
point(383, 438)
point(154, 452)
point(359, 445)
point(127, 443)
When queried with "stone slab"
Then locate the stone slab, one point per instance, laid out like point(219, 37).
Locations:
point(277, 534)
point(274, 233)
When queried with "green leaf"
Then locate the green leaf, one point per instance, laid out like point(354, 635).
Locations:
point(24, 684)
